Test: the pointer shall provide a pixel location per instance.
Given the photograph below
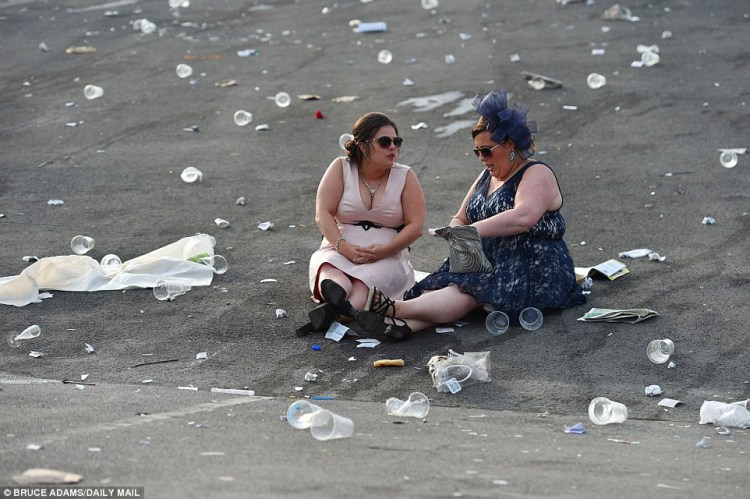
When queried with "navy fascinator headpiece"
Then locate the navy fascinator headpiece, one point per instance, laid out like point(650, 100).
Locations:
point(504, 122)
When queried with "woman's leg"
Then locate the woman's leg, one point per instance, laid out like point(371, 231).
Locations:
point(356, 290)
point(434, 307)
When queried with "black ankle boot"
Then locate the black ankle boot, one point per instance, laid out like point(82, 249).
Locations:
point(321, 318)
point(334, 294)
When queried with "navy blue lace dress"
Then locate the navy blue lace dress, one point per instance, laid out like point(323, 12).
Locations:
point(533, 269)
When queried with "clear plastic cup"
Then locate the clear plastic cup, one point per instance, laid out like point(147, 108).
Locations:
point(497, 322)
point(603, 411)
point(92, 92)
point(416, 406)
point(326, 425)
point(191, 174)
point(217, 262)
point(595, 80)
point(728, 159)
point(81, 244)
point(110, 264)
point(385, 57)
point(183, 70)
point(346, 137)
point(531, 318)
point(299, 414)
point(659, 351)
point(169, 289)
point(30, 332)
point(242, 118)
point(282, 99)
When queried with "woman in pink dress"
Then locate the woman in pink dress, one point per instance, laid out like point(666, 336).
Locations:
point(369, 209)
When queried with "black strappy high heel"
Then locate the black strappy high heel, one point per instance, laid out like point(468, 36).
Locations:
point(372, 318)
point(334, 294)
point(321, 318)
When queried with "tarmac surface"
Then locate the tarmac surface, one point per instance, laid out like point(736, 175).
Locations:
point(637, 160)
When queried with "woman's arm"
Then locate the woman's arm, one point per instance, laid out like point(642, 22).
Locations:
point(537, 193)
point(460, 217)
point(330, 191)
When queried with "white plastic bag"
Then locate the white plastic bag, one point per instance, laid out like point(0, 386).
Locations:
point(83, 273)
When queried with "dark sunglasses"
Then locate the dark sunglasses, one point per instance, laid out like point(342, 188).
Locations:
point(385, 142)
point(485, 152)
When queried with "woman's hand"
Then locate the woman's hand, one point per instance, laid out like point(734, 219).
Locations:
point(356, 254)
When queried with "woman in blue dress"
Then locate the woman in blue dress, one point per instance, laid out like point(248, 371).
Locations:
point(513, 208)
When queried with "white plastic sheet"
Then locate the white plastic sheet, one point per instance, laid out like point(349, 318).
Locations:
point(83, 273)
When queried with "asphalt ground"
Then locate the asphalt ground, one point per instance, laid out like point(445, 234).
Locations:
point(638, 162)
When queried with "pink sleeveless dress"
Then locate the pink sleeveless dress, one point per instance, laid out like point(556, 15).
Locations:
point(393, 275)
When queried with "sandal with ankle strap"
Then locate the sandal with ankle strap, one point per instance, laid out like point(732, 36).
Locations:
point(377, 309)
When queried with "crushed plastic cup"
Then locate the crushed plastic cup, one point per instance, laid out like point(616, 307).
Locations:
point(81, 244)
point(728, 159)
point(385, 57)
point(650, 58)
point(647, 48)
point(531, 318)
point(299, 414)
point(30, 332)
point(497, 322)
point(169, 289)
point(191, 174)
point(658, 351)
point(144, 26)
point(327, 425)
point(537, 83)
point(430, 4)
point(416, 406)
point(176, 4)
point(282, 99)
point(92, 92)
point(217, 262)
point(242, 118)
point(603, 411)
point(183, 70)
point(596, 80)
point(345, 137)
point(110, 264)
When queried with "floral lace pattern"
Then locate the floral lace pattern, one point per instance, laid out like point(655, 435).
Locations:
point(533, 269)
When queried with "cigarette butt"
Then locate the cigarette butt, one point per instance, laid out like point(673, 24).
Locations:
point(388, 362)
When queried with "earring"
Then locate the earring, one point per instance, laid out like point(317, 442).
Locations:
point(512, 156)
